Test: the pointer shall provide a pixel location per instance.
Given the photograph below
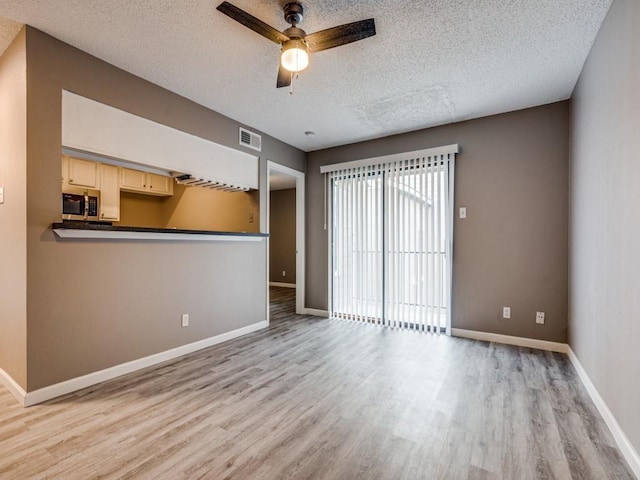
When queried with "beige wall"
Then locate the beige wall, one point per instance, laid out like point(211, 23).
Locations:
point(282, 236)
point(192, 208)
point(95, 304)
point(13, 218)
point(604, 304)
point(206, 209)
point(511, 250)
point(138, 210)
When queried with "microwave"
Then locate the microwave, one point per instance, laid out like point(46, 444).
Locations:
point(80, 203)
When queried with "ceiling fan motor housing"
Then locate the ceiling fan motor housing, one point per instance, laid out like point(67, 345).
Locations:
point(293, 12)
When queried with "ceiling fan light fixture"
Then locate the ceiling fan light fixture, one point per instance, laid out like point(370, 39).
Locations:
point(295, 55)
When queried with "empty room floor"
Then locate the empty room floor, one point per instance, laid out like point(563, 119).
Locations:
point(311, 398)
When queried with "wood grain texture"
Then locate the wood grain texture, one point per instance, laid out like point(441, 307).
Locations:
point(311, 398)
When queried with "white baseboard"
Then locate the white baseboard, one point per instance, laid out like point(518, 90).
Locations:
point(628, 452)
point(13, 387)
point(280, 284)
point(68, 386)
point(316, 313)
point(509, 340)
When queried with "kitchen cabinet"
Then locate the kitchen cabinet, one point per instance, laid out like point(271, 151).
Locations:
point(159, 184)
point(81, 173)
point(144, 182)
point(109, 193)
point(133, 180)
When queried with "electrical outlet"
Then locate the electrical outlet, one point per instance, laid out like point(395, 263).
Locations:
point(463, 212)
point(1, 195)
point(540, 318)
point(506, 312)
point(284, 273)
point(185, 319)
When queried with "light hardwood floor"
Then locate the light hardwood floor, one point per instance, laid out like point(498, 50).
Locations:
point(312, 398)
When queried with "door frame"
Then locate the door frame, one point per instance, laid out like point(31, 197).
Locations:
point(300, 229)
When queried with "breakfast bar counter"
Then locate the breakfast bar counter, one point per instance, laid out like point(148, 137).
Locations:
point(87, 230)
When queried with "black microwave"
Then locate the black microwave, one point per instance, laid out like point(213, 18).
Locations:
point(80, 203)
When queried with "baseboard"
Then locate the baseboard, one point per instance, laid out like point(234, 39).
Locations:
point(68, 386)
point(509, 340)
point(280, 284)
point(628, 452)
point(316, 313)
point(15, 389)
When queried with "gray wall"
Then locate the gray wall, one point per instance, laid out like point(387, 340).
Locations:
point(95, 304)
point(604, 303)
point(512, 175)
point(13, 213)
point(282, 236)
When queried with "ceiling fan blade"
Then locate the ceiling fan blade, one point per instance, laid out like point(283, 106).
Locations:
point(284, 77)
point(337, 36)
point(252, 22)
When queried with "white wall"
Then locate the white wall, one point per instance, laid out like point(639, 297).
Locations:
point(604, 279)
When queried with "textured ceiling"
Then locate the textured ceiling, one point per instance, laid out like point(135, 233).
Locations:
point(432, 61)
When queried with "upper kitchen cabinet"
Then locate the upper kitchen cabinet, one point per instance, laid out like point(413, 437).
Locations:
point(109, 193)
point(160, 185)
point(81, 173)
point(144, 182)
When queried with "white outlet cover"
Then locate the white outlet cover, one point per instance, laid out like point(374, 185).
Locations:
point(463, 212)
point(506, 312)
point(540, 318)
point(185, 320)
point(1, 195)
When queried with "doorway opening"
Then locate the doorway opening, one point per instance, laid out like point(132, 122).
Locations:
point(285, 225)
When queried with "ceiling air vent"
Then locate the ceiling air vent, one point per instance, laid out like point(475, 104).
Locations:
point(250, 139)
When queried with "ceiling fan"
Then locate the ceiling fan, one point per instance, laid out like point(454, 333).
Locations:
point(296, 44)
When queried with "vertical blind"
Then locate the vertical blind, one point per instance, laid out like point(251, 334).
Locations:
point(391, 239)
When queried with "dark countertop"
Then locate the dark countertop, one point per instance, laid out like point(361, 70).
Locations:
point(105, 227)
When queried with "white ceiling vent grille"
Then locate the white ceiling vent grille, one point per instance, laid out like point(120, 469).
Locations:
point(250, 139)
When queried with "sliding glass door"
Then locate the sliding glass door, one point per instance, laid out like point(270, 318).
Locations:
point(391, 237)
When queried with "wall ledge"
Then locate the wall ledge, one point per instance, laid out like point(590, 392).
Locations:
point(510, 340)
point(78, 383)
point(13, 387)
point(84, 230)
point(628, 452)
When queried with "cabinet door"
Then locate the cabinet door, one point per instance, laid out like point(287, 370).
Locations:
point(133, 180)
point(109, 193)
point(83, 173)
point(65, 170)
point(159, 184)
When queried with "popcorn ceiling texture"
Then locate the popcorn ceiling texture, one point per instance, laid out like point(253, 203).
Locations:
point(8, 31)
point(432, 61)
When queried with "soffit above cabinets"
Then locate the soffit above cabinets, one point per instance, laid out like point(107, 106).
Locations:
point(91, 128)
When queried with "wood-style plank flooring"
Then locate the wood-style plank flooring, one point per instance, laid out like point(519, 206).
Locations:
point(311, 398)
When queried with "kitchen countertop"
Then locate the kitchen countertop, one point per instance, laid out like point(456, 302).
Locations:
point(86, 230)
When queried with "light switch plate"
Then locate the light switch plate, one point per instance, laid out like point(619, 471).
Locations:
point(1, 195)
point(463, 212)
